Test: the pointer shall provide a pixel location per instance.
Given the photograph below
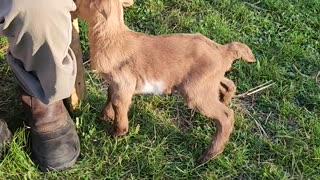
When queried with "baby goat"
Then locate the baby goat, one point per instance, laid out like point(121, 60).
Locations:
point(132, 63)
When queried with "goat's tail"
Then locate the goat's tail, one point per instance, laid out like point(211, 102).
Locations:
point(237, 50)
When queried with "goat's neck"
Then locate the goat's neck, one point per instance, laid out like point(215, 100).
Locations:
point(109, 31)
point(106, 38)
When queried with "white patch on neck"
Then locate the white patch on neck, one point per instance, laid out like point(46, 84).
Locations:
point(153, 87)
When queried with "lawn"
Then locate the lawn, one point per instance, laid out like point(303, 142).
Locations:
point(277, 130)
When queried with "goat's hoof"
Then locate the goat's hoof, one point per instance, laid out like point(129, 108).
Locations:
point(106, 116)
point(207, 156)
point(120, 132)
point(203, 159)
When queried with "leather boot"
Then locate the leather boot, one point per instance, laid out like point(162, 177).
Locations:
point(54, 141)
point(5, 134)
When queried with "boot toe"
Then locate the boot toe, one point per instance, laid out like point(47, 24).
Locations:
point(56, 150)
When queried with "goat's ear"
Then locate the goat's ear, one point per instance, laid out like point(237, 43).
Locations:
point(103, 6)
point(127, 3)
point(240, 50)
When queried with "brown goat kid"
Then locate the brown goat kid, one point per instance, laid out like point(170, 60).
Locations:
point(132, 63)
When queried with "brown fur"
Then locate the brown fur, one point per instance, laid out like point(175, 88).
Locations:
point(190, 64)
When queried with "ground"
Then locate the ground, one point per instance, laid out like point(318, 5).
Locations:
point(277, 130)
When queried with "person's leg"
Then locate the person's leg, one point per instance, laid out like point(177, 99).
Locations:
point(39, 35)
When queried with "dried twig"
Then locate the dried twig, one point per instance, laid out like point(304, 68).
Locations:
point(295, 67)
point(265, 122)
point(87, 62)
point(317, 77)
point(256, 89)
point(255, 6)
point(262, 131)
point(306, 76)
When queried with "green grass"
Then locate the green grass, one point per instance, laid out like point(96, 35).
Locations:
point(165, 137)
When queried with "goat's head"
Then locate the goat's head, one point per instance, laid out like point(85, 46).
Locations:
point(239, 50)
point(110, 9)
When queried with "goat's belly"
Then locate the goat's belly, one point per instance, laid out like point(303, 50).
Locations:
point(152, 87)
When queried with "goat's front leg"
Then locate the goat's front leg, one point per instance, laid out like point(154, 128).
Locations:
point(107, 112)
point(121, 99)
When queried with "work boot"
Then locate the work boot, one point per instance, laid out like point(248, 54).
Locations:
point(54, 141)
point(5, 134)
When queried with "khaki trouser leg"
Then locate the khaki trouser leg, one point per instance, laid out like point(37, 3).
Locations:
point(39, 35)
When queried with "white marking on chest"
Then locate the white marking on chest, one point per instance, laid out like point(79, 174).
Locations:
point(152, 87)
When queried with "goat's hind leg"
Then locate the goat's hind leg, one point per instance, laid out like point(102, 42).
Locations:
point(224, 121)
point(210, 106)
point(227, 89)
point(224, 126)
